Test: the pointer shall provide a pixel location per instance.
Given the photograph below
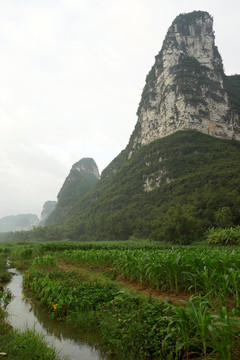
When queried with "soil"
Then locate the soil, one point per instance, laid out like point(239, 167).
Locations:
point(170, 297)
point(167, 296)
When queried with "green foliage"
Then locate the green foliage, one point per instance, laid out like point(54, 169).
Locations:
point(179, 226)
point(20, 345)
point(126, 325)
point(200, 175)
point(25, 345)
point(195, 171)
point(5, 297)
point(66, 292)
point(46, 262)
point(26, 253)
point(148, 93)
point(183, 22)
point(76, 185)
point(47, 233)
point(135, 333)
point(219, 236)
point(223, 217)
point(130, 326)
point(232, 86)
point(216, 330)
point(203, 173)
point(202, 270)
point(4, 274)
point(191, 77)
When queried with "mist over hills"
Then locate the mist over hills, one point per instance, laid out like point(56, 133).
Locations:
point(18, 222)
point(48, 207)
point(26, 222)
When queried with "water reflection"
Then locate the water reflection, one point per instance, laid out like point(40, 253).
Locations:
point(65, 339)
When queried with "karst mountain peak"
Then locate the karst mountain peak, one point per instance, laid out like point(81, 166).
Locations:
point(186, 87)
point(183, 155)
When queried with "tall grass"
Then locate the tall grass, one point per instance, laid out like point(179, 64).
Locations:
point(213, 271)
point(14, 344)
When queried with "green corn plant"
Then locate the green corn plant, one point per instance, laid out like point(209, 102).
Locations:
point(224, 331)
point(223, 289)
point(180, 329)
point(197, 269)
point(45, 261)
point(198, 314)
point(235, 280)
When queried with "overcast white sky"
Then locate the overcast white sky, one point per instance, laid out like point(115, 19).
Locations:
point(71, 77)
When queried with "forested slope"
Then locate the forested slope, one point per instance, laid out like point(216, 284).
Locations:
point(196, 174)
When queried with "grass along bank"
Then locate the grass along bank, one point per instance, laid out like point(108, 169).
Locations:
point(16, 345)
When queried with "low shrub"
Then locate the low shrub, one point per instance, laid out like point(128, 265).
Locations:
point(219, 236)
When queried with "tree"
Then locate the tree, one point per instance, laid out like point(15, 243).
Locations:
point(180, 226)
point(223, 217)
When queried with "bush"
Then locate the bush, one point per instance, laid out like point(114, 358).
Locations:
point(219, 236)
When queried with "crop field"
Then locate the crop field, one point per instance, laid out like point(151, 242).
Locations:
point(122, 293)
point(201, 270)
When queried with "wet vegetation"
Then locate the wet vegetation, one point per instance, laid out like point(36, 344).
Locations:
point(16, 345)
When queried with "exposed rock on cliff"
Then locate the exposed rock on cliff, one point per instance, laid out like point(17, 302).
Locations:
point(170, 161)
point(48, 208)
point(185, 87)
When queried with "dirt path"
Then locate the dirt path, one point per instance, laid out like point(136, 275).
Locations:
point(102, 273)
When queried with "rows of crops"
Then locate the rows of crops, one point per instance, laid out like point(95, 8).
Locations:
point(212, 271)
point(131, 327)
point(136, 327)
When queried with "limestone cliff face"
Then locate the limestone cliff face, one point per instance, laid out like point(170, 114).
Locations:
point(185, 87)
point(48, 208)
point(85, 165)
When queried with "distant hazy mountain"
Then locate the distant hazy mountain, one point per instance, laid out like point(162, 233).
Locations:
point(18, 222)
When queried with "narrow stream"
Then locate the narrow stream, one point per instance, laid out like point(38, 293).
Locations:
point(64, 338)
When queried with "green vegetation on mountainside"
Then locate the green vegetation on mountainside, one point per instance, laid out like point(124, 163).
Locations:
point(171, 190)
point(232, 86)
point(192, 78)
point(197, 175)
point(74, 188)
point(185, 20)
